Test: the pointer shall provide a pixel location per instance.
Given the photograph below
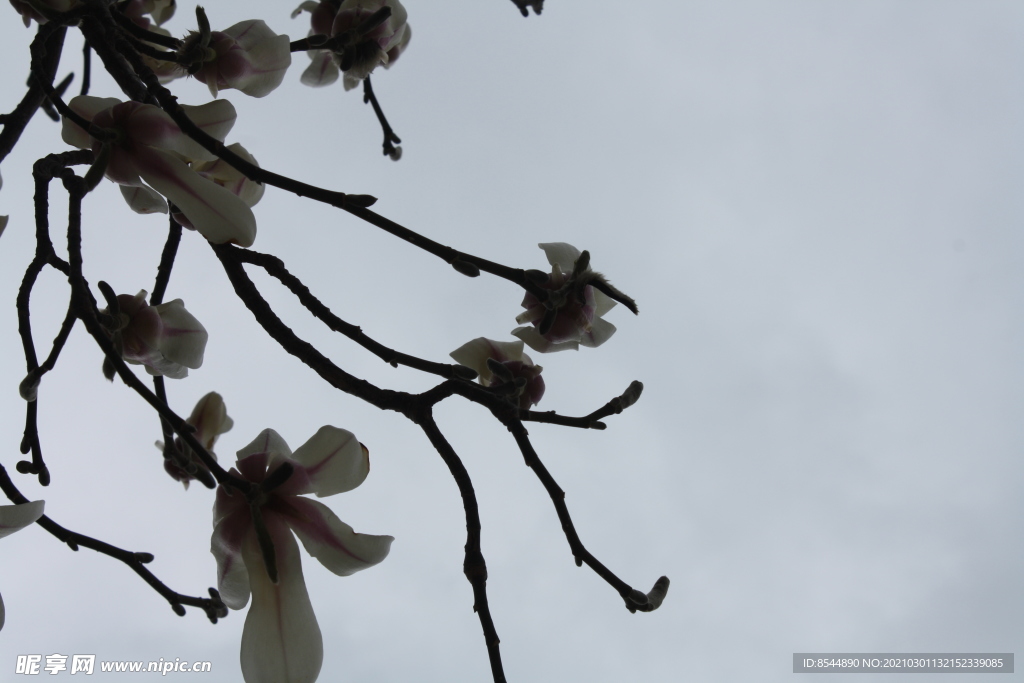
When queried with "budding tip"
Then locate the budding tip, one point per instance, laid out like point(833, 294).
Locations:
point(178, 608)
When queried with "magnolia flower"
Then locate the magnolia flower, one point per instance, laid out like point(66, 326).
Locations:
point(256, 551)
point(512, 364)
point(248, 57)
point(165, 338)
point(228, 177)
point(210, 419)
point(363, 48)
point(576, 306)
point(14, 518)
point(149, 152)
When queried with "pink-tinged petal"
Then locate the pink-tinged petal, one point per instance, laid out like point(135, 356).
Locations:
point(226, 545)
point(561, 254)
point(220, 172)
point(183, 339)
point(602, 303)
point(281, 641)
point(535, 341)
point(254, 459)
point(143, 200)
point(600, 331)
point(228, 500)
point(215, 212)
point(267, 58)
point(87, 107)
point(333, 461)
point(216, 118)
point(333, 542)
point(16, 517)
point(322, 71)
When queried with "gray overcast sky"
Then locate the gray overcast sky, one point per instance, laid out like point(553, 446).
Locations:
point(817, 206)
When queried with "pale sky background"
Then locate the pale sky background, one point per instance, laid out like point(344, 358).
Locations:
point(817, 206)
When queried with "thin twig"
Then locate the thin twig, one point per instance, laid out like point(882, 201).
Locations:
point(389, 135)
point(136, 561)
point(474, 565)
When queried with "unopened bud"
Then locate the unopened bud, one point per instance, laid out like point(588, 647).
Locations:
point(29, 387)
point(631, 395)
point(467, 269)
point(144, 558)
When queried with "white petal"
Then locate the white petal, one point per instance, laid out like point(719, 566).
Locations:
point(474, 354)
point(87, 107)
point(268, 442)
point(143, 200)
point(561, 254)
point(535, 341)
point(333, 542)
point(602, 303)
point(216, 118)
point(281, 641)
point(334, 461)
point(322, 71)
point(215, 212)
point(226, 546)
point(16, 517)
point(600, 332)
point(183, 338)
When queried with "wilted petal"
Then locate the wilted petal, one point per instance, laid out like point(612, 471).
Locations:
point(535, 341)
point(143, 200)
point(322, 71)
point(16, 517)
point(183, 339)
point(333, 542)
point(215, 212)
point(561, 254)
point(281, 641)
point(333, 461)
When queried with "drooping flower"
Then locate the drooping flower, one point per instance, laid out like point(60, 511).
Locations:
point(257, 553)
point(165, 338)
point(247, 56)
point(210, 419)
point(364, 45)
point(14, 518)
point(508, 363)
point(148, 157)
point(572, 316)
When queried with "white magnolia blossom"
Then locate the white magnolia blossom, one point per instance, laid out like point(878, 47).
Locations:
point(281, 641)
point(380, 46)
point(14, 518)
point(247, 57)
point(578, 320)
point(149, 156)
point(165, 338)
point(475, 354)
